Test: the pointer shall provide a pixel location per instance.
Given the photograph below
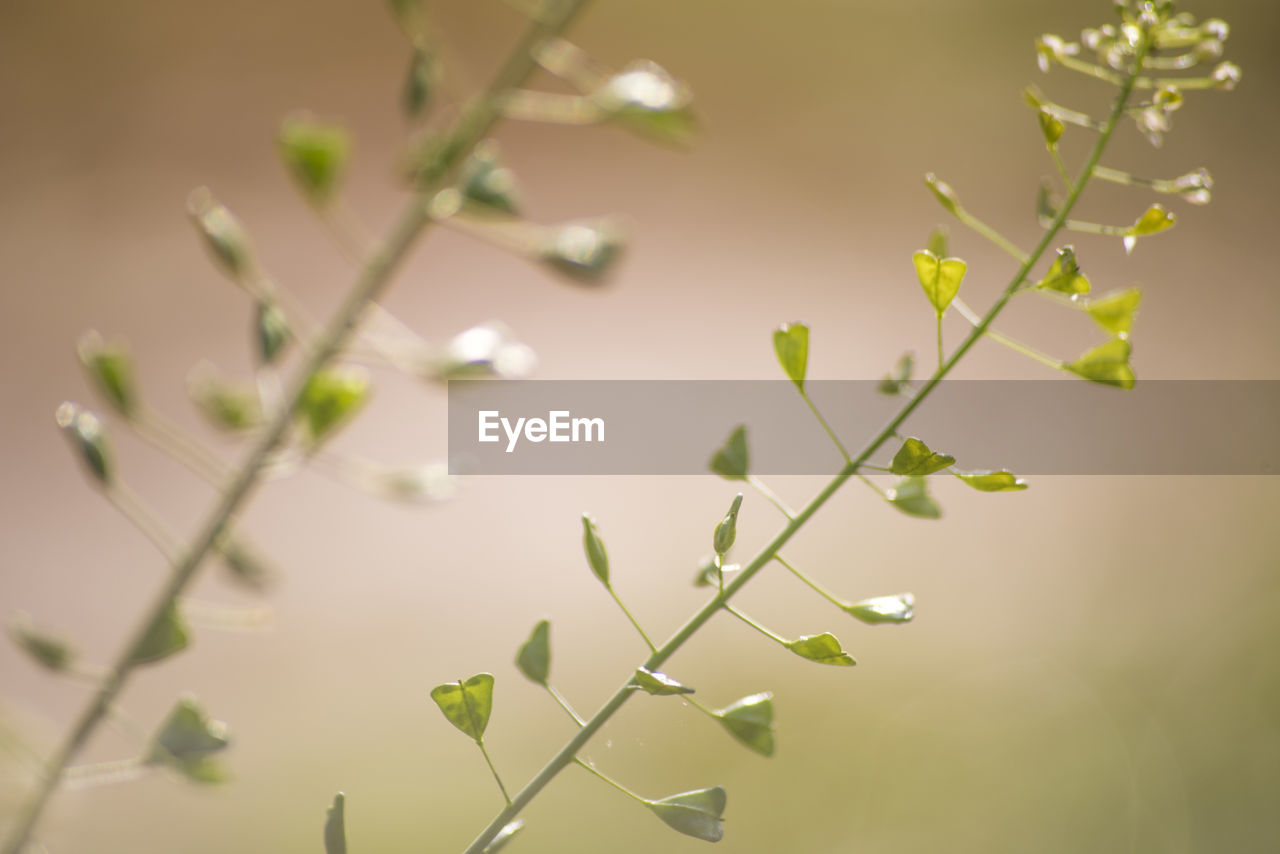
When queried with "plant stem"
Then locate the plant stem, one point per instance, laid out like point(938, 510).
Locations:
point(631, 617)
point(494, 771)
point(818, 588)
point(769, 495)
point(825, 426)
point(1012, 343)
point(569, 751)
point(564, 704)
point(471, 127)
point(612, 782)
point(753, 624)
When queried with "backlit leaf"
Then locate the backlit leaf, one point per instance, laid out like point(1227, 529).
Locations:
point(697, 813)
point(916, 458)
point(88, 437)
point(731, 461)
point(534, 658)
point(791, 344)
point(223, 235)
point(659, 684)
point(992, 481)
point(1051, 128)
point(884, 609)
point(48, 650)
point(823, 648)
point(315, 154)
point(912, 497)
point(750, 721)
point(111, 370)
point(938, 242)
point(899, 379)
point(332, 397)
point(940, 278)
point(1064, 274)
point(186, 742)
point(727, 531)
point(467, 704)
point(585, 253)
point(943, 193)
point(486, 183)
point(645, 98)
point(1115, 312)
point(1106, 364)
point(168, 635)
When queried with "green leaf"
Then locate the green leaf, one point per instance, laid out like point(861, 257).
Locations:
point(502, 837)
point(1106, 364)
point(646, 99)
point(732, 461)
point(750, 721)
point(791, 344)
point(992, 481)
point(331, 398)
point(467, 704)
point(823, 648)
point(48, 650)
point(1153, 221)
point(584, 253)
point(89, 438)
point(1115, 312)
point(915, 458)
point(246, 565)
point(315, 154)
point(1051, 127)
point(940, 278)
point(486, 183)
point(186, 741)
point(727, 530)
point(597, 557)
point(534, 658)
point(223, 235)
point(943, 193)
point(272, 331)
point(659, 684)
point(1064, 275)
point(912, 497)
point(697, 813)
point(884, 609)
point(335, 826)
point(938, 242)
point(168, 635)
point(228, 406)
point(419, 82)
point(899, 378)
point(111, 370)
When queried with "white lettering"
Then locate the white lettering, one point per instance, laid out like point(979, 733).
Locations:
point(513, 436)
point(560, 425)
point(488, 422)
point(587, 424)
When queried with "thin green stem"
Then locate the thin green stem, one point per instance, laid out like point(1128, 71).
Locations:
point(471, 127)
point(941, 355)
point(995, 237)
point(494, 771)
point(145, 520)
point(818, 588)
point(630, 617)
point(1062, 167)
point(564, 704)
point(874, 487)
point(1012, 343)
point(704, 709)
point(157, 431)
point(757, 626)
point(569, 751)
point(825, 426)
point(769, 495)
point(612, 782)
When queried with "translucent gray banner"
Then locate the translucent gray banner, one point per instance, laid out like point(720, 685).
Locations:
point(663, 427)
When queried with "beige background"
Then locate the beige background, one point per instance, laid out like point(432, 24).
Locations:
point(1090, 669)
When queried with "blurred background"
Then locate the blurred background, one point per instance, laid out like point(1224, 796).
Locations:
point(1087, 670)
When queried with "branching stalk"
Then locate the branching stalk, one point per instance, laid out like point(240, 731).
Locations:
point(375, 276)
point(568, 753)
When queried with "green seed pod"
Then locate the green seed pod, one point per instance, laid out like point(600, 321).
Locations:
point(111, 370)
point(87, 434)
point(727, 530)
point(222, 233)
point(597, 557)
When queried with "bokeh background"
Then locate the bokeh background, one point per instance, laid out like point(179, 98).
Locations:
point(1091, 665)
